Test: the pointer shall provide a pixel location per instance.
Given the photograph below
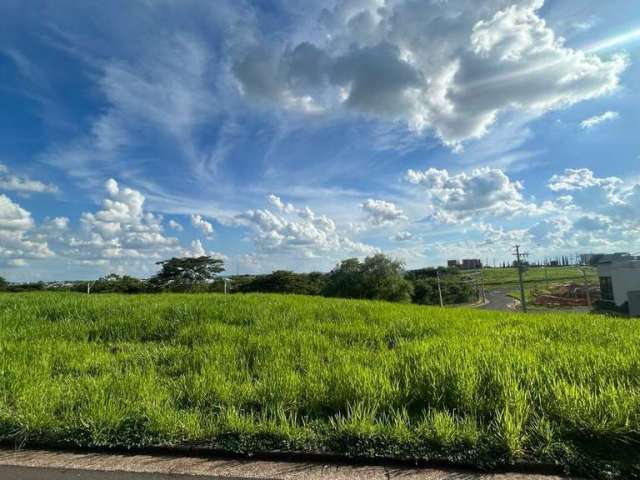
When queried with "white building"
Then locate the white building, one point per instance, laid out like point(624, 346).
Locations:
point(620, 281)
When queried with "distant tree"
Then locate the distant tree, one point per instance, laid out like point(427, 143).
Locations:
point(377, 278)
point(3, 284)
point(114, 283)
point(425, 292)
point(187, 273)
point(283, 281)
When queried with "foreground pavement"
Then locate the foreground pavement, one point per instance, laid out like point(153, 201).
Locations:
point(49, 465)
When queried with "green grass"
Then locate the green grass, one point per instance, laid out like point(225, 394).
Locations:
point(509, 276)
point(263, 372)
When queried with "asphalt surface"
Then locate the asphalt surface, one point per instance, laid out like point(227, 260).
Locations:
point(498, 300)
point(51, 465)
point(33, 473)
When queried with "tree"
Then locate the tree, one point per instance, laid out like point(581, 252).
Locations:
point(283, 281)
point(377, 278)
point(114, 283)
point(187, 273)
point(345, 280)
point(3, 284)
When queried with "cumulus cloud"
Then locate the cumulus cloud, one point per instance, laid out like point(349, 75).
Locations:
point(451, 67)
point(17, 234)
point(300, 232)
point(588, 190)
point(403, 236)
point(280, 205)
point(120, 236)
point(381, 212)
point(598, 119)
point(23, 184)
point(579, 179)
point(196, 249)
point(201, 224)
point(175, 226)
point(458, 197)
point(120, 230)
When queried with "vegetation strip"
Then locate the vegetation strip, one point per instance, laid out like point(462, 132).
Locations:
point(264, 373)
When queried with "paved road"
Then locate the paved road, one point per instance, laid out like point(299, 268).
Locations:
point(498, 300)
point(49, 465)
point(8, 472)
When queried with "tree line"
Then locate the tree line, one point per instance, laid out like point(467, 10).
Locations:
point(377, 277)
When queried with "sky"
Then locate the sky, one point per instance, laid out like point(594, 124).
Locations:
point(282, 134)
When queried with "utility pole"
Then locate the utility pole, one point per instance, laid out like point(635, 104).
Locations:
point(520, 255)
point(484, 294)
point(88, 288)
point(546, 276)
point(439, 288)
point(586, 286)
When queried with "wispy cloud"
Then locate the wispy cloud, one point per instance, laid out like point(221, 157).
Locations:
point(598, 119)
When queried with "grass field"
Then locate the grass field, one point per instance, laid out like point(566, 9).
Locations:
point(262, 372)
point(506, 276)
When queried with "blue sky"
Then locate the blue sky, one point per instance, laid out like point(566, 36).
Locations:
point(290, 135)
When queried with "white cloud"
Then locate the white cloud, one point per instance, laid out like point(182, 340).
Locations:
point(598, 119)
point(403, 236)
point(201, 224)
point(381, 212)
point(460, 197)
point(23, 184)
point(280, 205)
point(175, 226)
point(451, 67)
point(588, 190)
point(17, 229)
point(579, 179)
point(120, 230)
point(301, 233)
point(197, 250)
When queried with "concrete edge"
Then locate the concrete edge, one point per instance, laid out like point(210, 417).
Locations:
point(232, 469)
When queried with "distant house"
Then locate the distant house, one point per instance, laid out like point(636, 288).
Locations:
point(620, 281)
point(453, 264)
point(471, 263)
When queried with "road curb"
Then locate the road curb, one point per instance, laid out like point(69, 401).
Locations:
point(280, 464)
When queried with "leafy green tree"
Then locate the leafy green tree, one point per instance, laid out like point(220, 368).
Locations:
point(382, 279)
point(187, 273)
point(282, 281)
point(425, 292)
point(114, 283)
point(3, 284)
point(377, 278)
point(345, 280)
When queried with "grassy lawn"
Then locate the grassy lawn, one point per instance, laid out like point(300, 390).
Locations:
point(508, 276)
point(261, 372)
